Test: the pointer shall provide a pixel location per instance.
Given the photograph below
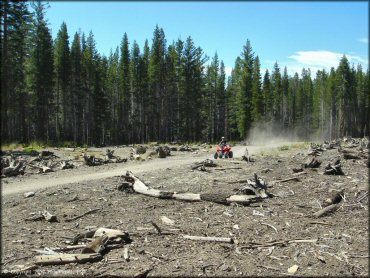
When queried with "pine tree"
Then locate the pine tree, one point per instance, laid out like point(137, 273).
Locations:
point(277, 97)
point(76, 89)
point(62, 85)
point(145, 90)
point(222, 98)
point(267, 97)
point(136, 105)
point(100, 100)
point(113, 88)
point(284, 101)
point(157, 83)
point(124, 121)
point(257, 97)
point(343, 80)
point(15, 27)
point(244, 94)
point(40, 75)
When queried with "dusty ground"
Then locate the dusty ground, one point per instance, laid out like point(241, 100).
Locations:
point(342, 247)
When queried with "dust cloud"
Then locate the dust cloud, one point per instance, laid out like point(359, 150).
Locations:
point(272, 135)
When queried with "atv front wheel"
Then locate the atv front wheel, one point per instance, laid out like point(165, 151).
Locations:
point(230, 154)
point(215, 156)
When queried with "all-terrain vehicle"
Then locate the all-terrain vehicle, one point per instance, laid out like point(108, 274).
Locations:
point(225, 152)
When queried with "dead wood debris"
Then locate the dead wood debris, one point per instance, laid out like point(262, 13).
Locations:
point(281, 243)
point(82, 215)
point(91, 160)
point(203, 164)
point(43, 215)
point(312, 163)
point(163, 151)
point(111, 158)
point(12, 168)
point(139, 187)
point(247, 157)
point(335, 169)
point(257, 187)
point(207, 238)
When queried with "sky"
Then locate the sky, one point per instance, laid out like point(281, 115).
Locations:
point(313, 35)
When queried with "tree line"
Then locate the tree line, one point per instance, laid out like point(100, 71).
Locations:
point(65, 90)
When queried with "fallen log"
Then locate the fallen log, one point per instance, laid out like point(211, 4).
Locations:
point(139, 187)
point(96, 246)
point(326, 210)
point(66, 259)
point(206, 238)
point(112, 234)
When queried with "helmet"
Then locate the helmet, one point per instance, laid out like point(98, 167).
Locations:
point(222, 138)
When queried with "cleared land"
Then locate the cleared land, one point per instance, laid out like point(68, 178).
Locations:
point(270, 237)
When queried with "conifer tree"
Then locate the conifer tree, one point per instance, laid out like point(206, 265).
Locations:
point(257, 97)
point(124, 122)
point(40, 75)
point(244, 94)
point(62, 85)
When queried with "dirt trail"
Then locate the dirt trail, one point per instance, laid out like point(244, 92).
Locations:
point(36, 182)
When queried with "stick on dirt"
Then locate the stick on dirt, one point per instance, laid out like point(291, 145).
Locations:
point(66, 259)
point(326, 210)
point(205, 238)
point(82, 215)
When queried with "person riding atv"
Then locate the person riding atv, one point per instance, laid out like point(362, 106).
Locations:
point(223, 150)
point(223, 142)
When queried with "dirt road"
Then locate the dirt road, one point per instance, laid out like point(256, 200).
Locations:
point(36, 182)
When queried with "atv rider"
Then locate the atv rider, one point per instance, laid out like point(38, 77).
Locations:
point(223, 143)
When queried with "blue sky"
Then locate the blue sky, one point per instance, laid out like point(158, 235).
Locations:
point(295, 34)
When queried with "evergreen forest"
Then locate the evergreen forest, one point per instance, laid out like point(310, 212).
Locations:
point(64, 90)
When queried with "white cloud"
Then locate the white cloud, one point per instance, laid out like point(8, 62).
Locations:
point(228, 71)
point(363, 40)
point(323, 59)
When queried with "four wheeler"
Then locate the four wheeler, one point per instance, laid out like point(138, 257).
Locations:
point(226, 152)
